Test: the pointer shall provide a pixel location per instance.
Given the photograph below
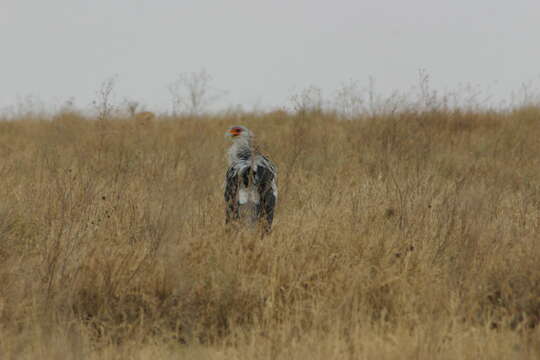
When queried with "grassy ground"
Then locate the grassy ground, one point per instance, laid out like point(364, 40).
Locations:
point(407, 236)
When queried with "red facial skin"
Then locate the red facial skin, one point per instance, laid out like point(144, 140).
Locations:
point(235, 131)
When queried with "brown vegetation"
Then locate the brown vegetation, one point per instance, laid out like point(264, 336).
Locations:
point(413, 235)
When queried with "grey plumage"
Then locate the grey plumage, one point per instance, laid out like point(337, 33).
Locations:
point(250, 182)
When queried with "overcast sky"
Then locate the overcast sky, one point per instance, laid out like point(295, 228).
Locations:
point(262, 52)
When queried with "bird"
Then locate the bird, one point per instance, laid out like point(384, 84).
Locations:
point(250, 182)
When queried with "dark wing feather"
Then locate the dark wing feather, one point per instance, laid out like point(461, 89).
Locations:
point(264, 179)
point(231, 192)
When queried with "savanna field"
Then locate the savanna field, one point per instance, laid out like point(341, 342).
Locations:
point(412, 235)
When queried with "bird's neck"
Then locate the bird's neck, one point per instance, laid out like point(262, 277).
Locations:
point(240, 150)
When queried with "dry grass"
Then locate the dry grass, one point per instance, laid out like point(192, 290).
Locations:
point(408, 236)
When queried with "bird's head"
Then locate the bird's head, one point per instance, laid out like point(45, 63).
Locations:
point(239, 133)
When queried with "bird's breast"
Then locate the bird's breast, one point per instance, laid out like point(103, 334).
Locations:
point(248, 195)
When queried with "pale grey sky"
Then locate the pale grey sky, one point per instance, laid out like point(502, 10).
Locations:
point(262, 51)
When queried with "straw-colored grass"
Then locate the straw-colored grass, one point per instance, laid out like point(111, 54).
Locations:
point(407, 236)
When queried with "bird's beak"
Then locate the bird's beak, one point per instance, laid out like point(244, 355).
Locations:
point(231, 133)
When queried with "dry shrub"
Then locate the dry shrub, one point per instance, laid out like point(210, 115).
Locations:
point(409, 235)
